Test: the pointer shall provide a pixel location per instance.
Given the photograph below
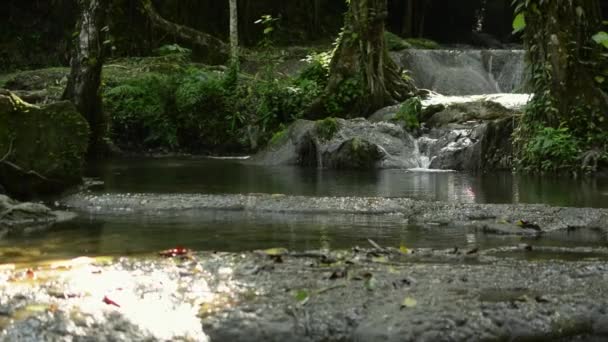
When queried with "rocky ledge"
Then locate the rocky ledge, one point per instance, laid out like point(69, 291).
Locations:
point(17, 217)
point(496, 218)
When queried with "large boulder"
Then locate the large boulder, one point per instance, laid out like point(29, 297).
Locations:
point(42, 148)
point(338, 143)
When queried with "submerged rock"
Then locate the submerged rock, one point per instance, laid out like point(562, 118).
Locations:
point(42, 147)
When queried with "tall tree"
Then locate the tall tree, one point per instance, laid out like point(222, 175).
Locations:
point(234, 32)
point(361, 60)
point(85, 75)
point(567, 70)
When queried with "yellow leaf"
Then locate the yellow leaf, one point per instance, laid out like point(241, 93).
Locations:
point(409, 302)
point(404, 249)
point(275, 251)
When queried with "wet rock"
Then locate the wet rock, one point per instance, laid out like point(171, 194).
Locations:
point(355, 143)
point(17, 217)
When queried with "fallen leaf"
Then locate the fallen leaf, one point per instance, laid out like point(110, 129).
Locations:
point(30, 274)
point(301, 295)
point(275, 251)
point(174, 252)
point(110, 302)
point(409, 302)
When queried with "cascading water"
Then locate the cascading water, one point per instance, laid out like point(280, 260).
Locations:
point(465, 72)
point(460, 76)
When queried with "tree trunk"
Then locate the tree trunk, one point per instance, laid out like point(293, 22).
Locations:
point(408, 19)
point(564, 62)
point(568, 71)
point(362, 56)
point(85, 76)
point(234, 32)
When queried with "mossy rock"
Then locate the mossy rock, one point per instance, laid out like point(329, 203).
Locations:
point(46, 143)
point(326, 128)
point(355, 153)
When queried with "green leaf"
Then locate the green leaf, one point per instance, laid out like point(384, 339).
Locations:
point(301, 295)
point(519, 23)
point(600, 79)
point(601, 38)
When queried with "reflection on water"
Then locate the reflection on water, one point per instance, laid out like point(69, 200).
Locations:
point(238, 231)
point(229, 176)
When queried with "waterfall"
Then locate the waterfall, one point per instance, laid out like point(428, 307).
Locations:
point(465, 72)
point(422, 153)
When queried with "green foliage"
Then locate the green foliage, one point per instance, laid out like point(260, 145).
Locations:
point(422, 43)
point(326, 128)
point(139, 112)
point(270, 25)
point(395, 43)
point(317, 69)
point(552, 149)
point(409, 114)
point(202, 106)
point(519, 23)
point(347, 92)
point(266, 104)
point(278, 137)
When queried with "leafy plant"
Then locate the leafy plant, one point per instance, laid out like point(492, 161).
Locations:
point(317, 69)
point(139, 112)
point(409, 114)
point(348, 91)
point(270, 24)
point(552, 149)
point(202, 106)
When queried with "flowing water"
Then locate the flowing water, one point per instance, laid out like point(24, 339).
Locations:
point(465, 72)
point(235, 231)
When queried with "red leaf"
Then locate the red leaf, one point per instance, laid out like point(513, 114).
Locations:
point(109, 301)
point(30, 274)
point(173, 252)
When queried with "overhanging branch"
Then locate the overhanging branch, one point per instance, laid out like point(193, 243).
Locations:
point(183, 32)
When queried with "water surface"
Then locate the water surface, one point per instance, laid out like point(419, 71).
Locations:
point(238, 231)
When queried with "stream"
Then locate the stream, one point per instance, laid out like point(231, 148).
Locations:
point(103, 234)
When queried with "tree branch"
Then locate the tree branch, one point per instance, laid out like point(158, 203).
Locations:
point(183, 32)
point(17, 168)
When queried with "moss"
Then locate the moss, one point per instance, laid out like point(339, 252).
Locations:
point(422, 43)
point(50, 140)
point(278, 138)
point(326, 128)
point(395, 43)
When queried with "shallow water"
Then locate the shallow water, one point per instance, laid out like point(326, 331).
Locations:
point(238, 231)
point(212, 176)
